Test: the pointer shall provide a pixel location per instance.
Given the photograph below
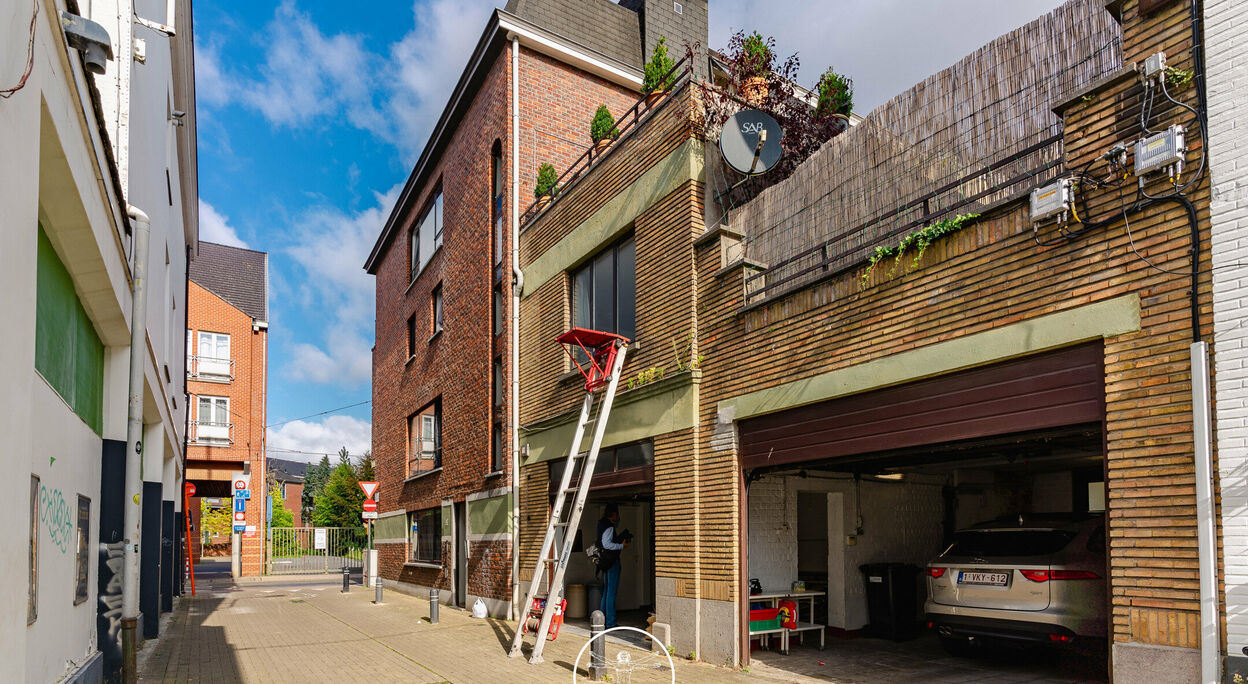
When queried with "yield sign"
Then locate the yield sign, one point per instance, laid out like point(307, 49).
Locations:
point(369, 489)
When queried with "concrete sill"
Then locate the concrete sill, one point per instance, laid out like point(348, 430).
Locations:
point(433, 338)
point(422, 564)
point(409, 360)
point(427, 473)
point(496, 473)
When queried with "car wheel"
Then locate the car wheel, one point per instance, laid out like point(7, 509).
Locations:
point(957, 647)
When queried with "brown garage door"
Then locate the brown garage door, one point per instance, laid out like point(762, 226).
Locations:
point(1055, 389)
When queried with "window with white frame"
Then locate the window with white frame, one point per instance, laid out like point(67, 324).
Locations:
point(213, 359)
point(212, 420)
point(424, 430)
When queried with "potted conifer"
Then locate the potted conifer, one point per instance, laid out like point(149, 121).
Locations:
point(754, 59)
point(602, 129)
point(658, 77)
point(545, 189)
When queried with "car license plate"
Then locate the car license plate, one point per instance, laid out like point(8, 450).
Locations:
point(995, 579)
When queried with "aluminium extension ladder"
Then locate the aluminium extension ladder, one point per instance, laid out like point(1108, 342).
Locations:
point(561, 528)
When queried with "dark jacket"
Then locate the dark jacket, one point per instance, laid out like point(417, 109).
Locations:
point(609, 557)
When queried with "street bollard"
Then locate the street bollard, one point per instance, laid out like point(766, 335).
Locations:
point(433, 606)
point(346, 580)
point(598, 649)
point(377, 593)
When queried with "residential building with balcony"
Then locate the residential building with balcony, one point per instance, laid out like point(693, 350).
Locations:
point(226, 372)
point(444, 421)
point(91, 151)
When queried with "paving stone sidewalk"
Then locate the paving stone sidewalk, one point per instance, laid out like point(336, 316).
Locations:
point(311, 632)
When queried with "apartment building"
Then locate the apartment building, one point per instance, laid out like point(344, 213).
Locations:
point(98, 149)
point(443, 364)
point(289, 477)
point(227, 376)
point(797, 405)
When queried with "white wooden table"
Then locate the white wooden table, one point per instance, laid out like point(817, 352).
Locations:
point(773, 598)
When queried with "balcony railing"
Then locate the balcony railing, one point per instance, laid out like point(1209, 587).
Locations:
point(210, 369)
point(211, 434)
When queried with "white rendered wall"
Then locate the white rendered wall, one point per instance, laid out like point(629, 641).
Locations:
point(54, 171)
point(1226, 57)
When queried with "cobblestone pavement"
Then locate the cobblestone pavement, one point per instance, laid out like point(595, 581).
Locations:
point(306, 630)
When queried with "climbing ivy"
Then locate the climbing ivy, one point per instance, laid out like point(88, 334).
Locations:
point(916, 242)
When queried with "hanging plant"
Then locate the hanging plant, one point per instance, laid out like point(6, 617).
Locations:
point(915, 243)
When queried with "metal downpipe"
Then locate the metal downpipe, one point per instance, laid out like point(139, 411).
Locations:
point(133, 519)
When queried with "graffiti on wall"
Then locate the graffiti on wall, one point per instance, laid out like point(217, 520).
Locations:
point(57, 518)
point(112, 557)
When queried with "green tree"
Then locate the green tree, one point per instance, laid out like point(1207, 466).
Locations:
point(313, 482)
point(339, 504)
point(281, 516)
point(364, 471)
point(215, 521)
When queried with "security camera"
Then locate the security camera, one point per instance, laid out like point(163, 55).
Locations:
point(88, 38)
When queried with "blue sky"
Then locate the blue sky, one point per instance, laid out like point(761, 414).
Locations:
point(310, 115)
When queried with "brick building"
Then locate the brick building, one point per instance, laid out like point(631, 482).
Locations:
point(227, 377)
point(443, 418)
point(288, 476)
point(1007, 369)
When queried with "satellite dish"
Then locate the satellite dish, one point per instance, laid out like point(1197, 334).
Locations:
point(750, 142)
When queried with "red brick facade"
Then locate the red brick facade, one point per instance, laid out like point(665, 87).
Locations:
point(209, 467)
point(456, 366)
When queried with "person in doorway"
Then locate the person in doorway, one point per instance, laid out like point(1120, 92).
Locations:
point(612, 545)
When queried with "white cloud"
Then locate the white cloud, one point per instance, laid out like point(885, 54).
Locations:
point(310, 77)
point(325, 437)
point(331, 250)
point(213, 227)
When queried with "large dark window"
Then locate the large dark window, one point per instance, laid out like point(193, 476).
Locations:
point(612, 459)
point(426, 235)
point(604, 292)
point(425, 535)
point(496, 448)
point(411, 335)
point(435, 308)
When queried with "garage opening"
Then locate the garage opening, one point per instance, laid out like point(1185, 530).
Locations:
point(624, 476)
point(851, 503)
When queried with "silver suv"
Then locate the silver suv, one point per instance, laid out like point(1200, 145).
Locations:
point(1038, 578)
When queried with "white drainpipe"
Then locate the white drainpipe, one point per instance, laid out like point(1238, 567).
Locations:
point(517, 282)
point(1206, 522)
point(133, 511)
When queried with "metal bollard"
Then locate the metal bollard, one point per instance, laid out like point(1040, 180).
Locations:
point(433, 606)
point(377, 592)
point(598, 648)
point(346, 580)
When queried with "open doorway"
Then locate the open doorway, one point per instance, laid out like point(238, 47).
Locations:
point(461, 555)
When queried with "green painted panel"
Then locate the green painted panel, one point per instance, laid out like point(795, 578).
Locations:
point(654, 409)
point(392, 527)
point(68, 352)
point(446, 520)
point(55, 312)
point(490, 516)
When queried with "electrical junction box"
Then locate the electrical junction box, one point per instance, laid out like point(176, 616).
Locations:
point(1160, 150)
point(1052, 199)
point(1155, 65)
